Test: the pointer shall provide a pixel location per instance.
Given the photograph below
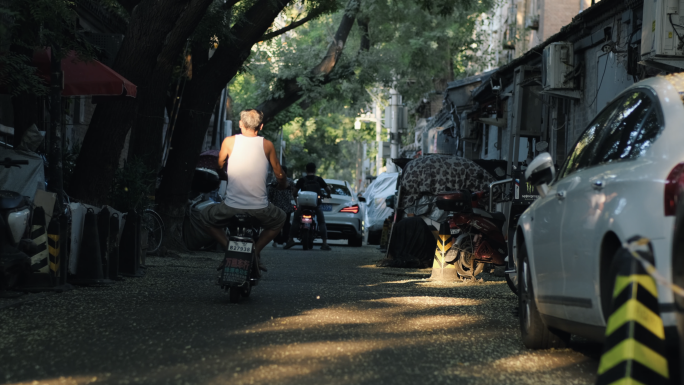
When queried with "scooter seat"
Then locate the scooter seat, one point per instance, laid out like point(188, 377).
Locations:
point(244, 220)
point(10, 200)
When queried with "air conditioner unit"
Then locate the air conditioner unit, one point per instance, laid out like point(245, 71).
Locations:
point(659, 38)
point(558, 61)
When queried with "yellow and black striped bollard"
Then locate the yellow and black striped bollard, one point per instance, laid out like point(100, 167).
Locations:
point(441, 269)
point(54, 249)
point(634, 350)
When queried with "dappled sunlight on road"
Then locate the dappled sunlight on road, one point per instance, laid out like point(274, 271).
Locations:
point(75, 380)
point(319, 325)
point(528, 361)
point(375, 315)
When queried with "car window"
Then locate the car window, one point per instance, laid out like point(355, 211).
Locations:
point(582, 154)
point(339, 189)
point(650, 129)
point(623, 130)
point(618, 138)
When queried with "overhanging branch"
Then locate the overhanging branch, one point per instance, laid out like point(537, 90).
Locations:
point(290, 27)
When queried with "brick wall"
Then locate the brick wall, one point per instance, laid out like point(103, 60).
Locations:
point(555, 14)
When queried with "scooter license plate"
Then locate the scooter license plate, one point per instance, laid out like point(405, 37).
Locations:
point(240, 247)
point(455, 231)
point(307, 220)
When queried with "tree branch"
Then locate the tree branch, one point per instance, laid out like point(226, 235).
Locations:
point(290, 27)
point(322, 73)
point(365, 36)
point(128, 5)
point(246, 32)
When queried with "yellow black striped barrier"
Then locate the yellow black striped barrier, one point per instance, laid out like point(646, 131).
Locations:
point(39, 258)
point(634, 350)
point(54, 249)
point(441, 269)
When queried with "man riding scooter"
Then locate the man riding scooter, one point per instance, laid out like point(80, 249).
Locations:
point(246, 192)
point(313, 183)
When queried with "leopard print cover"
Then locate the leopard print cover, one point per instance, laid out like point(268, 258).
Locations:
point(431, 174)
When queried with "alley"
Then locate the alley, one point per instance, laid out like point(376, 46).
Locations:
point(317, 318)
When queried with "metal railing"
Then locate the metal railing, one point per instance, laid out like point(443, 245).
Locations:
point(491, 185)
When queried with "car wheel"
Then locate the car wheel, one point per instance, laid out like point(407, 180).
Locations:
point(355, 242)
point(535, 334)
point(678, 272)
point(512, 281)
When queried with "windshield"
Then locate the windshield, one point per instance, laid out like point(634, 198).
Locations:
point(339, 189)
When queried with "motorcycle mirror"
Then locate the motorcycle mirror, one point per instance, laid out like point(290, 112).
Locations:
point(541, 172)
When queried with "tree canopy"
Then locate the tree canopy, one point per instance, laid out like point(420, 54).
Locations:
point(412, 44)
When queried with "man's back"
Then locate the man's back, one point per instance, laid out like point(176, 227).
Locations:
point(247, 173)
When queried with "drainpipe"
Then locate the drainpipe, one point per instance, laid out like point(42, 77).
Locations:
point(378, 138)
point(395, 102)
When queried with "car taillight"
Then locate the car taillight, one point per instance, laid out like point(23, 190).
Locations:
point(351, 209)
point(674, 185)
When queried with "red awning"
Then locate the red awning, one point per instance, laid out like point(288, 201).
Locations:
point(85, 78)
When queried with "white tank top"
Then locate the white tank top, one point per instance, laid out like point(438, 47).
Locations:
point(247, 172)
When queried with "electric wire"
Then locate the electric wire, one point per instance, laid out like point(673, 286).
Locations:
point(601, 82)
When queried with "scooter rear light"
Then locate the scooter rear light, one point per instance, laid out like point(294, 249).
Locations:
point(351, 209)
point(674, 185)
point(306, 216)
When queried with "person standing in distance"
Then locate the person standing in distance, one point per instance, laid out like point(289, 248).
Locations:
point(314, 183)
point(246, 193)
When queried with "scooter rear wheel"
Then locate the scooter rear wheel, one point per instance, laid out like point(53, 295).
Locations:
point(305, 239)
point(234, 294)
point(247, 290)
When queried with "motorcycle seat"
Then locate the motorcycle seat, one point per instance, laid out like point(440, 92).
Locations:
point(10, 200)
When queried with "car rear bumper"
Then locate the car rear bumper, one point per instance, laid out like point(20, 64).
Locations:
point(344, 229)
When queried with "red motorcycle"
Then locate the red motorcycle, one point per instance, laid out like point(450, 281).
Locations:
point(478, 234)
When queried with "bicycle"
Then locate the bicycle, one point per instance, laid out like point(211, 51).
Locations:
point(152, 222)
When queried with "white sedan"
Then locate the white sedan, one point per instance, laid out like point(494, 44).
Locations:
point(343, 214)
point(616, 183)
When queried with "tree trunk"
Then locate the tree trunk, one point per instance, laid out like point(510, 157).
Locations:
point(27, 108)
point(146, 141)
point(151, 22)
point(292, 89)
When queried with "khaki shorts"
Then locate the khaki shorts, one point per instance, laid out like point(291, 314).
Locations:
point(218, 216)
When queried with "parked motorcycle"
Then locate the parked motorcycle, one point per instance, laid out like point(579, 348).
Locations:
point(15, 216)
point(478, 234)
point(240, 268)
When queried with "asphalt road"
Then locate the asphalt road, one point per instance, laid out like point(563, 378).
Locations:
point(316, 318)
